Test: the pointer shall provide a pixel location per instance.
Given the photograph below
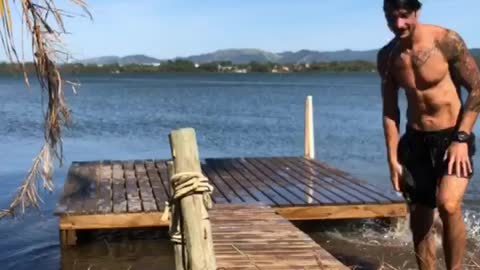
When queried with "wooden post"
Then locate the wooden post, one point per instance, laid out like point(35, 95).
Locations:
point(309, 143)
point(197, 230)
point(309, 129)
point(177, 247)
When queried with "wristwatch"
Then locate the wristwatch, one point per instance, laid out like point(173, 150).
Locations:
point(461, 136)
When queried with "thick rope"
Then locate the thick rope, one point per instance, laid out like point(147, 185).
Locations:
point(184, 184)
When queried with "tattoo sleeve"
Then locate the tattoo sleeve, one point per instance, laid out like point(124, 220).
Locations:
point(464, 66)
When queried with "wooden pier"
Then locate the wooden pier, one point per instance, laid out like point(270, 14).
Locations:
point(245, 236)
point(133, 194)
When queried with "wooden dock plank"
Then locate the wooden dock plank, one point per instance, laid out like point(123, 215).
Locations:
point(276, 192)
point(145, 189)
point(258, 193)
point(266, 188)
point(217, 194)
point(134, 204)
point(342, 190)
point(362, 191)
point(254, 237)
point(386, 196)
point(230, 194)
point(289, 190)
point(119, 197)
point(159, 192)
point(161, 166)
point(77, 188)
point(343, 211)
point(243, 193)
point(104, 191)
point(112, 221)
point(313, 194)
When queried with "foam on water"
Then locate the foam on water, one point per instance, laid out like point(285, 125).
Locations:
point(375, 233)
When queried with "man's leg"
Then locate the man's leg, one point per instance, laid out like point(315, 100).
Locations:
point(421, 223)
point(449, 202)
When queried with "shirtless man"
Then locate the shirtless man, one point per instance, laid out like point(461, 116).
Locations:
point(430, 63)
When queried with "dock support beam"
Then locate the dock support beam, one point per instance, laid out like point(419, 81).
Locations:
point(68, 238)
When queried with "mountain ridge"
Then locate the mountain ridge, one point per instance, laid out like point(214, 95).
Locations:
point(244, 56)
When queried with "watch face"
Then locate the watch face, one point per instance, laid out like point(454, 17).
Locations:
point(461, 136)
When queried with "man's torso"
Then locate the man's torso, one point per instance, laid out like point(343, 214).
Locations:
point(423, 72)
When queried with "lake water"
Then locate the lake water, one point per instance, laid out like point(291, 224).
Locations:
point(130, 116)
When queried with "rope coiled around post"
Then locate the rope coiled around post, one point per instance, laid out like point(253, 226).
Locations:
point(184, 184)
point(187, 183)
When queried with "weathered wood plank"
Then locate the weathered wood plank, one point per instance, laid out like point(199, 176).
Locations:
point(343, 211)
point(242, 192)
point(220, 185)
point(340, 190)
point(315, 193)
point(146, 193)
point(104, 190)
point(354, 183)
point(78, 188)
point(134, 203)
point(217, 194)
point(112, 221)
point(158, 189)
point(288, 190)
point(259, 194)
point(162, 171)
point(265, 187)
point(119, 196)
point(254, 237)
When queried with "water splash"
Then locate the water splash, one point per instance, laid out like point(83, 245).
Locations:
point(397, 234)
point(472, 222)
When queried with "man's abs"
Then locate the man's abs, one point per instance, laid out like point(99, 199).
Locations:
point(435, 108)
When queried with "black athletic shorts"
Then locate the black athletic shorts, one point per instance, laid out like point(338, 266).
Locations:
point(422, 154)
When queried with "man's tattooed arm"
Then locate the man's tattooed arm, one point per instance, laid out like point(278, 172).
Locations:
point(464, 66)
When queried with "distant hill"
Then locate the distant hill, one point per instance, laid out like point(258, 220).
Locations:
point(306, 56)
point(244, 56)
point(236, 56)
point(126, 60)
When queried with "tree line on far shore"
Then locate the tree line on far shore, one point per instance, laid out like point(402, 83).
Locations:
point(181, 65)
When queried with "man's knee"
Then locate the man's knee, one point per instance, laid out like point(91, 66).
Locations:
point(448, 206)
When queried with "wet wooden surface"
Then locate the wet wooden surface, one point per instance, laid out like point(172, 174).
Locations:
point(255, 237)
point(132, 194)
point(245, 236)
point(105, 187)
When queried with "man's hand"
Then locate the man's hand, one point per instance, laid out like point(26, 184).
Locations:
point(458, 159)
point(396, 176)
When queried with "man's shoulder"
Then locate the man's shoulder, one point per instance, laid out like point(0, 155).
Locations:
point(384, 54)
point(438, 32)
point(386, 50)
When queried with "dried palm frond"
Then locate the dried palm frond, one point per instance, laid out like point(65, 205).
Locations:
point(44, 22)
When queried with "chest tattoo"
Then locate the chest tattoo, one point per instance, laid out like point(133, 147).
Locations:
point(419, 58)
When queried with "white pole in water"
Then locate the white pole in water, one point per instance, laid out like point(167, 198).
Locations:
point(309, 129)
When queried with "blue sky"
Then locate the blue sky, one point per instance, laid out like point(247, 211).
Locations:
point(170, 28)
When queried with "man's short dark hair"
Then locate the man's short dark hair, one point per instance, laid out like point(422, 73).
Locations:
point(412, 5)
